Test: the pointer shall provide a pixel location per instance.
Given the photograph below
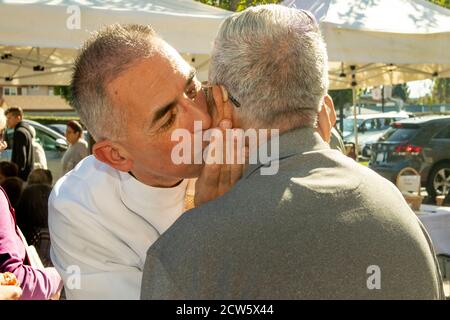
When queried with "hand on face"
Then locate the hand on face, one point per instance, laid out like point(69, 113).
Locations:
point(216, 179)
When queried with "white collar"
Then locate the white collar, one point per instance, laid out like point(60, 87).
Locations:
point(147, 201)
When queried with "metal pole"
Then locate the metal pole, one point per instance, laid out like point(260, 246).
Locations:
point(382, 99)
point(355, 124)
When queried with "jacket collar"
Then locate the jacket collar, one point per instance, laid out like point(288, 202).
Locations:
point(291, 143)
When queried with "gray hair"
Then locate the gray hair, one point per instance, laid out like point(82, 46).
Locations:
point(273, 61)
point(103, 58)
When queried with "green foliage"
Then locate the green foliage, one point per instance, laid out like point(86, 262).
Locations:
point(63, 91)
point(51, 119)
point(341, 97)
point(236, 5)
point(401, 91)
point(441, 91)
point(442, 3)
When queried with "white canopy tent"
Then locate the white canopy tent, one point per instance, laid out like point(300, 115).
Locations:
point(379, 42)
point(39, 39)
point(387, 41)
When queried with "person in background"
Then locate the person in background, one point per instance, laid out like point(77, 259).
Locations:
point(35, 284)
point(32, 218)
point(8, 169)
point(22, 148)
point(40, 176)
point(40, 160)
point(3, 143)
point(13, 187)
point(78, 148)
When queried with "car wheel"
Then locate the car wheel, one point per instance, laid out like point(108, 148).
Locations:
point(439, 180)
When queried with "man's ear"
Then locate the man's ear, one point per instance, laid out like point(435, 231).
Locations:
point(326, 119)
point(224, 108)
point(113, 155)
point(331, 111)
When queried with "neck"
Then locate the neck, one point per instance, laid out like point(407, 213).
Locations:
point(156, 182)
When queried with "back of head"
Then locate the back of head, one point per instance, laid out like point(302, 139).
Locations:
point(103, 58)
point(15, 111)
point(13, 187)
point(32, 208)
point(273, 61)
point(40, 176)
point(75, 126)
point(8, 169)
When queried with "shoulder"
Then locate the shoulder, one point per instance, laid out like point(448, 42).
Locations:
point(82, 143)
point(89, 180)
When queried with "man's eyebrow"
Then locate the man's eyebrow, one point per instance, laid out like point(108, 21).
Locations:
point(190, 78)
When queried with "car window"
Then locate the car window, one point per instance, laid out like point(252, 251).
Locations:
point(349, 124)
point(45, 140)
point(385, 123)
point(443, 134)
point(401, 134)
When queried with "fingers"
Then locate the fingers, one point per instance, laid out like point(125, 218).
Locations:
point(224, 164)
point(10, 292)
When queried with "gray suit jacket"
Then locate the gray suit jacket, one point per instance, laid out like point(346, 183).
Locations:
point(324, 227)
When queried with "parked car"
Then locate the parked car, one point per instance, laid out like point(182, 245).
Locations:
point(370, 128)
point(54, 145)
point(420, 143)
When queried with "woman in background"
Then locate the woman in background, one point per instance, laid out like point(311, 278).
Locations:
point(78, 148)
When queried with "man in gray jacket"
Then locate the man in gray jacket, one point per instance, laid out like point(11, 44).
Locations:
point(322, 227)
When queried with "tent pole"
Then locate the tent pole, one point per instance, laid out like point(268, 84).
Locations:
point(355, 124)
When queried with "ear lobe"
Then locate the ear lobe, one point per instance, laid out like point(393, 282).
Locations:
point(113, 155)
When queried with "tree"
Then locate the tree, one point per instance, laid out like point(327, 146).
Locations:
point(63, 91)
point(236, 5)
point(441, 91)
point(442, 3)
point(401, 91)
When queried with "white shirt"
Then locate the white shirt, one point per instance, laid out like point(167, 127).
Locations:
point(102, 222)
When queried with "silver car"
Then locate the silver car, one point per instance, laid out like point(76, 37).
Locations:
point(370, 128)
point(54, 145)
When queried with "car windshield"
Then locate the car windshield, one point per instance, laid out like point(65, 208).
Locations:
point(399, 134)
point(349, 124)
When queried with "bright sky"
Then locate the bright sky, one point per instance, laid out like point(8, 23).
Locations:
point(419, 88)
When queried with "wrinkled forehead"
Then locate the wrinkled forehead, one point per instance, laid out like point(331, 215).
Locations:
point(175, 59)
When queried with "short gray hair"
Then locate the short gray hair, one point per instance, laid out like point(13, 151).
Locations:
point(273, 61)
point(103, 58)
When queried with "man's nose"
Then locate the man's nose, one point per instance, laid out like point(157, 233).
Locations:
point(199, 112)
